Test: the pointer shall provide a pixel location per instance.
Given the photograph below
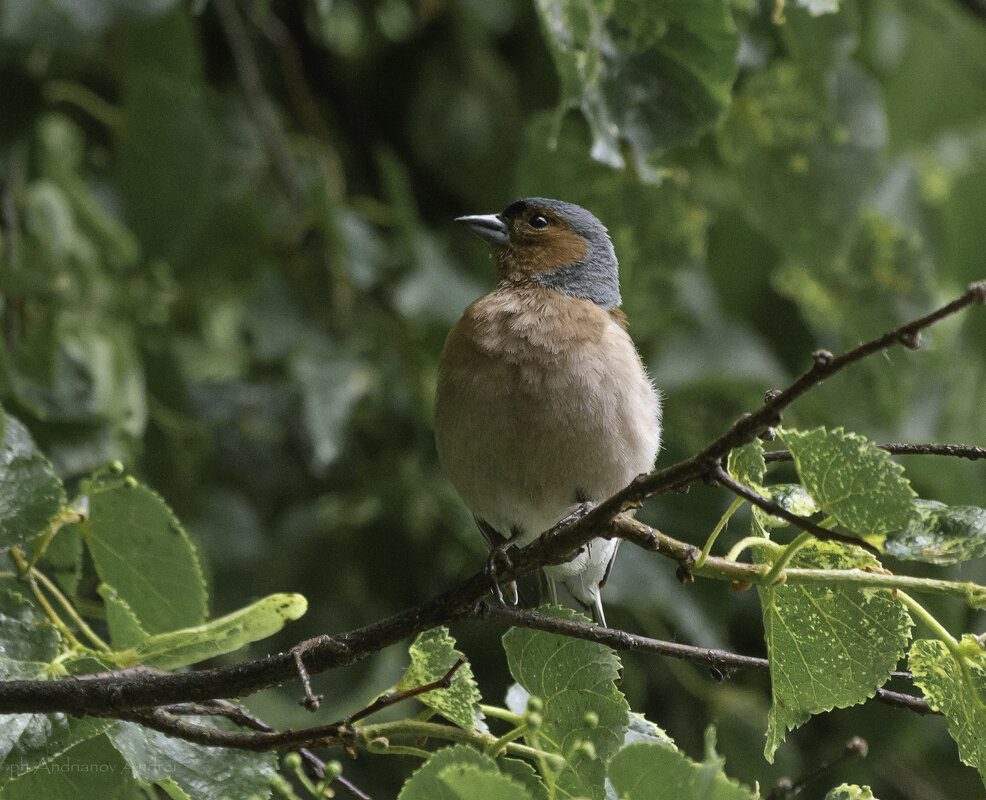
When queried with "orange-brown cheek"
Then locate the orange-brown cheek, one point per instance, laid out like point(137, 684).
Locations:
point(537, 253)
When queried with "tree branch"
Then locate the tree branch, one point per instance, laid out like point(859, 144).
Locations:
point(116, 696)
point(737, 488)
point(968, 451)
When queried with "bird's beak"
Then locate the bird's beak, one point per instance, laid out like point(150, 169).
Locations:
point(488, 227)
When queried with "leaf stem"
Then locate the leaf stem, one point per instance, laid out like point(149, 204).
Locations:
point(435, 730)
point(70, 610)
point(704, 555)
point(776, 572)
point(27, 573)
point(743, 544)
point(68, 515)
point(495, 747)
point(502, 713)
point(933, 624)
point(973, 594)
point(948, 640)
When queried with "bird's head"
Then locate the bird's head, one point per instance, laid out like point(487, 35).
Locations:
point(553, 244)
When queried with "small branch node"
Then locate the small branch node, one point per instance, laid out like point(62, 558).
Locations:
point(910, 339)
point(310, 701)
point(684, 574)
point(978, 291)
point(822, 358)
point(772, 394)
point(768, 435)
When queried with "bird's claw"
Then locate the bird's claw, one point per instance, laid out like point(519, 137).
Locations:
point(497, 561)
point(581, 511)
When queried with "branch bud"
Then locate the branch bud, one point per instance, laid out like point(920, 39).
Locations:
point(912, 341)
point(822, 357)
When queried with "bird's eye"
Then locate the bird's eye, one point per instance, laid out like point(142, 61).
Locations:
point(538, 221)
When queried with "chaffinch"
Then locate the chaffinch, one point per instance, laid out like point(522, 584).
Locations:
point(543, 403)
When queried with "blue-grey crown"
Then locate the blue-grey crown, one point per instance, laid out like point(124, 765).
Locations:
point(596, 276)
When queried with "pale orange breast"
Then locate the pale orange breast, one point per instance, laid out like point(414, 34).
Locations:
point(542, 398)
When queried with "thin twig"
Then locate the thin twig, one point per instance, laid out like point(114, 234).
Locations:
point(255, 741)
point(855, 748)
point(720, 662)
point(314, 766)
point(816, 530)
point(971, 452)
point(309, 701)
point(387, 700)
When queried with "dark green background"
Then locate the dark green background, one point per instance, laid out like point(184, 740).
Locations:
point(242, 294)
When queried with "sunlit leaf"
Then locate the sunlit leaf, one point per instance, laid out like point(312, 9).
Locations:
point(572, 678)
point(852, 480)
point(828, 646)
point(433, 653)
point(940, 534)
point(956, 689)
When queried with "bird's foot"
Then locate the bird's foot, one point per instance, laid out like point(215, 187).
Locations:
point(581, 510)
point(497, 561)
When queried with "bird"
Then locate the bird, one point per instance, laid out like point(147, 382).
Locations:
point(543, 404)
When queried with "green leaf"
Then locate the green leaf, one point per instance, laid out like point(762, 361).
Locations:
point(28, 641)
point(64, 559)
point(852, 480)
point(224, 635)
point(643, 730)
point(522, 772)
point(28, 644)
point(850, 792)
point(90, 769)
point(940, 534)
point(957, 690)
point(30, 492)
point(650, 771)
point(829, 646)
point(468, 782)
point(203, 773)
point(746, 464)
point(432, 655)
point(33, 742)
point(791, 497)
point(142, 551)
point(648, 76)
point(572, 678)
point(427, 783)
point(125, 628)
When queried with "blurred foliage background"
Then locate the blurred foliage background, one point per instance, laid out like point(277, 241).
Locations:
point(229, 262)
